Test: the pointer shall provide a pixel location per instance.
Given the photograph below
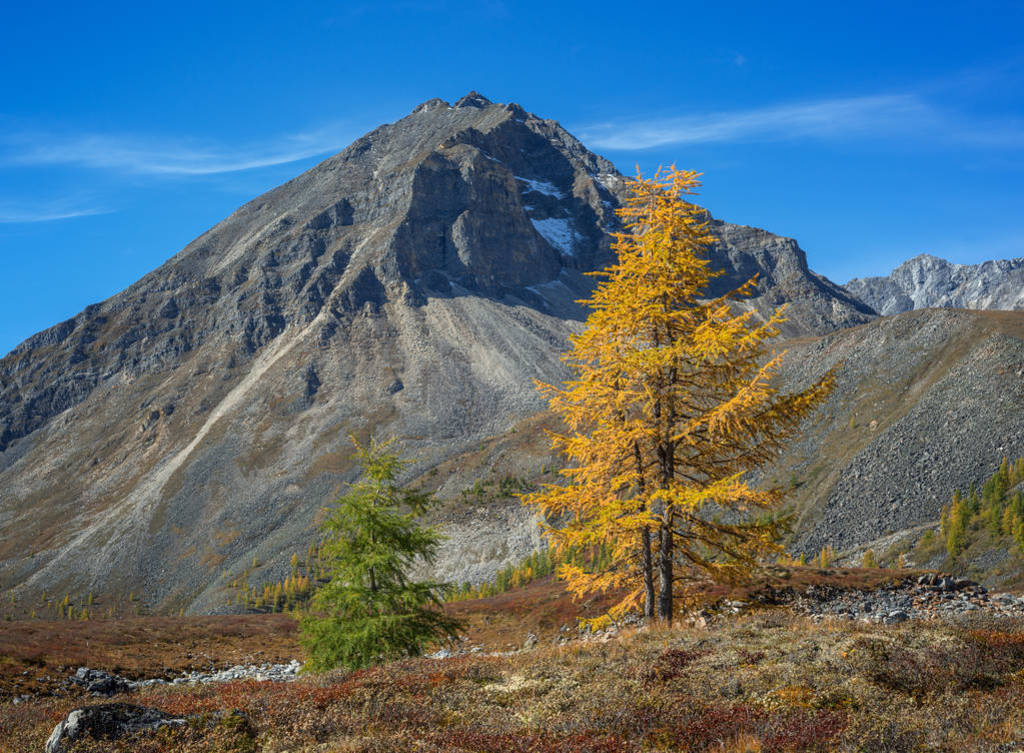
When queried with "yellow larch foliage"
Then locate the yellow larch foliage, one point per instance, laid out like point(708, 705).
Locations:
point(670, 404)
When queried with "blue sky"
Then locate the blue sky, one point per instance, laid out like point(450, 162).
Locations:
point(868, 131)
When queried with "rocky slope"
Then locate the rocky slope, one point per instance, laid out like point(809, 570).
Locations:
point(929, 282)
point(926, 402)
point(413, 285)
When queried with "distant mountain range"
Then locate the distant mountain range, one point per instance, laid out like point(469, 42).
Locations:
point(415, 285)
point(929, 282)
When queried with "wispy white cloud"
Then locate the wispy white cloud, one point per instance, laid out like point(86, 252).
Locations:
point(19, 215)
point(823, 119)
point(135, 154)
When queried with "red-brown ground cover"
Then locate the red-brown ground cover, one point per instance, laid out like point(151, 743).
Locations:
point(766, 681)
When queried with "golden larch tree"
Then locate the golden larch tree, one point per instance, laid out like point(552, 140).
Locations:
point(670, 404)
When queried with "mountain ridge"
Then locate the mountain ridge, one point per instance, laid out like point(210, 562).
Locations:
point(595, 187)
point(927, 281)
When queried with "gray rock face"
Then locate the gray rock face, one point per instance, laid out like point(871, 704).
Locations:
point(929, 282)
point(413, 285)
point(815, 304)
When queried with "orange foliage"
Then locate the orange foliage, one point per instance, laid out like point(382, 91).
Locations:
point(671, 403)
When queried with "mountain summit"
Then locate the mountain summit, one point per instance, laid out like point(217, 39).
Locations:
point(927, 281)
point(413, 285)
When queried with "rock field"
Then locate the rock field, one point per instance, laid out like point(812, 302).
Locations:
point(926, 597)
point(104, 684)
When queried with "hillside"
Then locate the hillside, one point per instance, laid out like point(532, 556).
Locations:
point(187, 431)
point(926, 402)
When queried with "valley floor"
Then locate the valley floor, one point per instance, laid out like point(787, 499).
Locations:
point(762, 680)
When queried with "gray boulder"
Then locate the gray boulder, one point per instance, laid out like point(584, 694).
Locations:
point(107, 722)
point(100, 683)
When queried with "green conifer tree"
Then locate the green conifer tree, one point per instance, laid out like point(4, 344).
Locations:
point(371, 611)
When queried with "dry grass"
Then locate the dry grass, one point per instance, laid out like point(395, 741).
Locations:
point(36, 653)
point(766, 681)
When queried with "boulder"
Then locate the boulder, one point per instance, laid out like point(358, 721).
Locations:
point(100, 683)
point(895, 617)
point(108, 721)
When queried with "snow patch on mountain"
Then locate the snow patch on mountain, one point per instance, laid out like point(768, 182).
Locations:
point(556, 232)
point(541, 186)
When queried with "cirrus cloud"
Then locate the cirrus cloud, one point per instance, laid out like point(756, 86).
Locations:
point(142, 155)
point(888, 115)
point(13, 215)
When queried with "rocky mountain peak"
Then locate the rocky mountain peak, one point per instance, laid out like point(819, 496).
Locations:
point(473, 99)
point(927, 281)
point(926, 260)
point(479, 199)
point(430, 104)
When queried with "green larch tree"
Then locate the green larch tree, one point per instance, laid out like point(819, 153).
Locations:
point(371, 610)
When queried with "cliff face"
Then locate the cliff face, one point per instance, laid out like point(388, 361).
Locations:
point(413, 285)
point(814, 304)
point(929, 282)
